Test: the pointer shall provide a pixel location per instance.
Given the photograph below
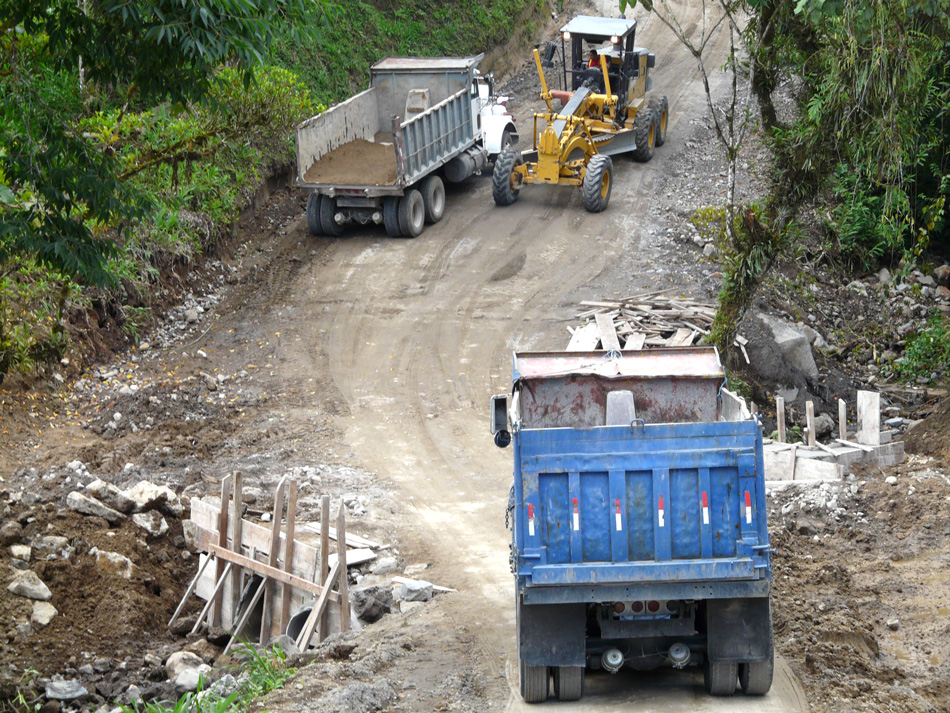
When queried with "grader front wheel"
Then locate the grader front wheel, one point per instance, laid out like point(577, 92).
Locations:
point(505, 185)
point(598, 182)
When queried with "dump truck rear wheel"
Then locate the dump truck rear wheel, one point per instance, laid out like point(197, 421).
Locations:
point(645, 134)
point(313, 214)
point(719, 679)
point(412, 213)
point(433, 197)
point(503, 189)
point(569, 683)
point(598, 182)
point(327, 222)
point(391, 216)
point(534, 683)
point(661, 114)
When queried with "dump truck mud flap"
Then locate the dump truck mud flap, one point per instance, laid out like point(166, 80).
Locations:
point(737, 630)
point(552, 634)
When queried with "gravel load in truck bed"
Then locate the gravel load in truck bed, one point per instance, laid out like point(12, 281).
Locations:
point(358, 162)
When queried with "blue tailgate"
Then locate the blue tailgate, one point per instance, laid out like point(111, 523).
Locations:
point(637, 503)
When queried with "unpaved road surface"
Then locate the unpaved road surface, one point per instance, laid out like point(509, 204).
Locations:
point(411, 337)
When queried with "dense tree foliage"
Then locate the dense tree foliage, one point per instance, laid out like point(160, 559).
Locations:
point(871, 137)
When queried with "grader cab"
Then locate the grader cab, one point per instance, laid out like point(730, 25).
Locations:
point(604, 110)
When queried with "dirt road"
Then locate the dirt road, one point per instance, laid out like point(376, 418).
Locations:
point(415, 335)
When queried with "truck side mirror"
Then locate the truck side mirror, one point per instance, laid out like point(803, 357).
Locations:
point(499, 420)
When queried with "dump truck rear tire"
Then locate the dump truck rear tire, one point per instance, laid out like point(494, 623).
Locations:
point(503, 190)
point(433, 197)
point(327, 222)
point(412, 213)
point(645, 133)
point(661, 114)
point(534, 683)
point(598, 182)
point(569, 683)
point(719, 679)
point(313, 214)
point(391, 216)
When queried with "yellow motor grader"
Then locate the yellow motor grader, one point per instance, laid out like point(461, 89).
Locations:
point(606, 111)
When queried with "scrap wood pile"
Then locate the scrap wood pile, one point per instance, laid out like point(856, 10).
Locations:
point(649, 319)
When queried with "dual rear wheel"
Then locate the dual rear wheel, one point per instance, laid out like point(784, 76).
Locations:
point(534, 680)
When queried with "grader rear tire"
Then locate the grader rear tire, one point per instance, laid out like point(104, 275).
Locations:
point(645, 133)
point(598, 183)
point(503, 189)
point(661, 114)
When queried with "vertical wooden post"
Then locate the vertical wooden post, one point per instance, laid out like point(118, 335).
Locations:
point(324, 557)
point(344, 583)
point(237, 532)
point(780, 417)
point(810, 422)
point(288, 555)
point(222, 542)
point(842, 420)
point(273, 559)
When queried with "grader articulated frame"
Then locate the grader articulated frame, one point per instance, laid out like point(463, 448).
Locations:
point(606, 112)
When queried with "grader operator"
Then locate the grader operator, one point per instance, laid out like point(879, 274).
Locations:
point(605, 110)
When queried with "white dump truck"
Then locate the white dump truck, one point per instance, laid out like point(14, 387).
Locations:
point(383, 155)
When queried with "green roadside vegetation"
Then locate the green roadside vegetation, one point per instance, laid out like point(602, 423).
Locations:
point(133, 133)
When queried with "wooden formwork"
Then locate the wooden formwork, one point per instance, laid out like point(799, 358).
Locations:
point(286, 573)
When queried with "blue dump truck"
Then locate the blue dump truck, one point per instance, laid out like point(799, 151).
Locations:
point(638, 517)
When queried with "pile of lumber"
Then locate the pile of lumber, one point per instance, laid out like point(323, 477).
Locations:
point(649, 319)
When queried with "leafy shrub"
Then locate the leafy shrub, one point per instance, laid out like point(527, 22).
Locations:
point(927, 351)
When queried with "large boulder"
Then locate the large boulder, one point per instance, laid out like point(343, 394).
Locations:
point(793, 344)
point(111, 496)
point(87, 505)
point(149, 496)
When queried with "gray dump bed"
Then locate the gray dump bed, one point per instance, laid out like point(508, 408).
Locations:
point(416, 116)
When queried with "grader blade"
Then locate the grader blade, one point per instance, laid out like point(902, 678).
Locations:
point(612, 144)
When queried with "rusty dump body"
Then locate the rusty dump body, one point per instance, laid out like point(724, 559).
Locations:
point(639, 517)
point(569, 389)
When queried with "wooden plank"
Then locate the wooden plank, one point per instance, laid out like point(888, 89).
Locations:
point(274, 559)
point(188, 591)
point(635, 342)
point(682, 337)
point(324, 558)
point(288, 554)
point(219, 583)
point(842, 419)
point(354, 558)
point(862, 446)
point(226, 484)
point(608, 333)
point(344, 583)
point(239, 629)
point(869, 418)
point(266, 570)
point(318, 611)
point(810, 422)
point(780, 417)
point(585, 339)
point(237, 523)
